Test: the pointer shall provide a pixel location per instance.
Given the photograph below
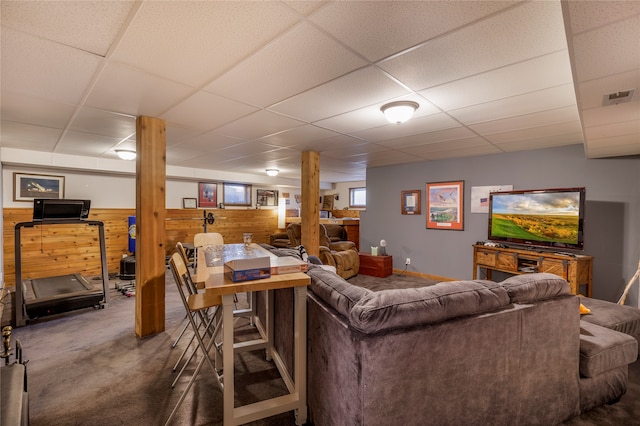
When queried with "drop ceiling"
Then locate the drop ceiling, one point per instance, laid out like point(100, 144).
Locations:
point(250, 85)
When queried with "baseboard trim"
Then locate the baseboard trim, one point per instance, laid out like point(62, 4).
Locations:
point(421, 275)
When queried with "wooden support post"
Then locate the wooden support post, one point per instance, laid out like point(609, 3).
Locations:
point(311, 202)
point(150, 225)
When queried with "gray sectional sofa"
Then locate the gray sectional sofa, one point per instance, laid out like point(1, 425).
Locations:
point(459, 352)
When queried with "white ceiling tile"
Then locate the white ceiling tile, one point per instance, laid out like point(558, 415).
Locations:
point(549, 131)
point(548, 99)
point(594, 57)
point(90, 120)
point(390, 158)
point(414, 126)
point(91, 26)
point(517, 79)
point(299, 60)
point(464, 152)
point(350, 92)
point(28, 110)
point(298, 137)
point(182, 156)
point(448, 145)
point(587, 15)
point(92, 145)
point(614, 130)
point(245, 149)
point(258, 124)
point(530, 30)
point(138, 93)
point(457, 133)
point(177, 134)
point(352, 21)
point(44, 69)
point(305, 7)
point(324, 144)
point(209, 142)
point(206, 111)
point(560, 115)
point(200, 40)
point(614, 146)
point(353, 149)
point(612, 114)
point(26, 136)
point(543, 142)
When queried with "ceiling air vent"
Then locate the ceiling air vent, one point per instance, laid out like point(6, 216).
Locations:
point(618, 97)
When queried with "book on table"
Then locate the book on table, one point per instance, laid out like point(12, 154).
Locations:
point(287, 265)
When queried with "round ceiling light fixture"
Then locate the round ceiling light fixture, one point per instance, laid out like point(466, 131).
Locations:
point(400, 111)
point(272, 172)
point(126, 154)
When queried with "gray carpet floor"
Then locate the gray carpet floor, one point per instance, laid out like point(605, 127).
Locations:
point(87, 367)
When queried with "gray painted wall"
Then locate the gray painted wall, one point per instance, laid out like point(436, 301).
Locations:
point(612, 221)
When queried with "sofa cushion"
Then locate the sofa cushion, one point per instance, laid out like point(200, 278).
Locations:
point(396, 308)
point(334, 290)
point(622, 318)
point(603, 349)
point(530, 287)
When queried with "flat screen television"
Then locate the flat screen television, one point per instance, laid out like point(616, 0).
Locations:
point(544, 218)
point(60, 209)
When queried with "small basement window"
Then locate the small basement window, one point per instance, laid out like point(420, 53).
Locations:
point(237, 194)
point(357, 197)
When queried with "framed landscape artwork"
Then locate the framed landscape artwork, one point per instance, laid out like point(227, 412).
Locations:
point(27, 186)
point(445, 209)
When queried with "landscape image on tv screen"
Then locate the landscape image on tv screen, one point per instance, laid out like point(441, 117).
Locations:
point(547, 217)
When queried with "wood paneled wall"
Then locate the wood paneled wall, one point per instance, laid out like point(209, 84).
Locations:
point(62, 249)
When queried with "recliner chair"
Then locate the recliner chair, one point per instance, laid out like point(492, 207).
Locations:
point(343, 255)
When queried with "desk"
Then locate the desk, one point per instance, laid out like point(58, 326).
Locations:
point(216, 285)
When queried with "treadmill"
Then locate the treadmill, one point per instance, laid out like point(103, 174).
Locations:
point(53, 295)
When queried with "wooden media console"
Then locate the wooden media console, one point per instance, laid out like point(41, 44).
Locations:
point(576, 269)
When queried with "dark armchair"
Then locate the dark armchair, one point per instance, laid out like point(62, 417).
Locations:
point(336, 232)
point(343, 255)
point(280, 240)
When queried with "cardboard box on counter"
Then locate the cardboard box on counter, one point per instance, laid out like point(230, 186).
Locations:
point(246, 269)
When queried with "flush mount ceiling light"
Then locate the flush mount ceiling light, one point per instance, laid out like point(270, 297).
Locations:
point(273, 172)
point(399, 112)
point(126, 154)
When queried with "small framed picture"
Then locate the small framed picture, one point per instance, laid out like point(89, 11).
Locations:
point(189, 203)
point(327, 202)
point(410, 202)
point(267, 197)
point(27, 186)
